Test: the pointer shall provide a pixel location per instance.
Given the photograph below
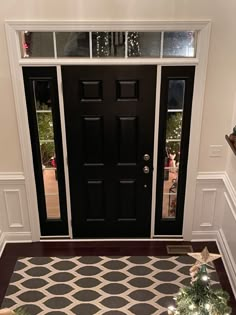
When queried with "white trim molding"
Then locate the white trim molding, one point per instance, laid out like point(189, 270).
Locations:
point(64, 145)
point(23, 130)
point(204, 236)
point(113, 25)
point(18, 237)
point(155, 151)
point(196, 124)
point(14, 176)
point(203, 28)
point(109, 61)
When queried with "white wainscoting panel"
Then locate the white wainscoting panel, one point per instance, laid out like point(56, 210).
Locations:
point(13, 205)
point(14, 212)
point(215, 217)
point(208, 204)
point(207, 210)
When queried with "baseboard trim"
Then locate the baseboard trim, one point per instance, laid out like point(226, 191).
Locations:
point(227, 259)
point(18, 237)
point(204, 236)
point(14, 237)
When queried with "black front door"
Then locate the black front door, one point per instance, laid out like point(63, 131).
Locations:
point(109, 114)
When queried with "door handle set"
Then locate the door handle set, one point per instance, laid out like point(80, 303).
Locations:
point(146, 169)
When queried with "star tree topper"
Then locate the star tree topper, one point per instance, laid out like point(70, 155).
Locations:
point(204, 257)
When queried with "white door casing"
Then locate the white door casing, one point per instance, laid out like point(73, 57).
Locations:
point(200, 61)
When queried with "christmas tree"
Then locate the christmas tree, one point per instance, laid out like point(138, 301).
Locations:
point(199, 298)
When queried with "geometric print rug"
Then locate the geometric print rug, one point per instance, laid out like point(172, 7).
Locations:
point(101, 285)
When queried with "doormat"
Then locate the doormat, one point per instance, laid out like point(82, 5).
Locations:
point(141, 285)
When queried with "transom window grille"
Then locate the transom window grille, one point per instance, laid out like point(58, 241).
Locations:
point(108, 44)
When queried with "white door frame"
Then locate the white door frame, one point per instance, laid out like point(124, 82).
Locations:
point(16, 63)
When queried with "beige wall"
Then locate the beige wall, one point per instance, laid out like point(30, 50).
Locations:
point(221, 73)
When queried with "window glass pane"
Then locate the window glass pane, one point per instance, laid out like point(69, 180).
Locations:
point(108, 44)
point(51, 196)
point(45, 127)
point(179, 44)
point(172, 148)
point(144, 44)
point(171, 173)
point(173, 128)
point(43, 107)
point(36, 44)
point(74, 44)
point(176, 91)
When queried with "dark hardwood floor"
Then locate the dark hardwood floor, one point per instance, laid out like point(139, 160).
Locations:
point(111, 248)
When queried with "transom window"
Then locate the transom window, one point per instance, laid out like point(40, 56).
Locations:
point(129, 44)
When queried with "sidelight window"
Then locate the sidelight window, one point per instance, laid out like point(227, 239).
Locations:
point(130, 44)
point(44, 116)
point(174, 125)
point(174, 115)
point(45, 131)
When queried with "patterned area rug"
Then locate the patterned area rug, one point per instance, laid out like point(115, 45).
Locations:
point(87, 285)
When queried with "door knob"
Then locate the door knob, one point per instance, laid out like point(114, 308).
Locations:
point(146, 157)
point(146, 170)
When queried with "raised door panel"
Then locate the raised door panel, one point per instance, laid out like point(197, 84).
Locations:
point(127, 140)
point(93, 140)
point(127, 209)
point(95, 201)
